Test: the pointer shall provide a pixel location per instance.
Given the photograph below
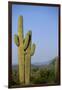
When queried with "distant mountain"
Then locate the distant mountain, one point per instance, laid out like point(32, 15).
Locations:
point(40, 65)
point(54, 61)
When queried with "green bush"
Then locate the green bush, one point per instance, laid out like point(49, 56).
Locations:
point(42, 76)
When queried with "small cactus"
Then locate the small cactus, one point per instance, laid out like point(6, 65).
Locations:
point(25, 51)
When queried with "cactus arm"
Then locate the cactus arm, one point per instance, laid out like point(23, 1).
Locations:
point(27, 40)
point(16, 40)
point(33, 49)
point(30, 32)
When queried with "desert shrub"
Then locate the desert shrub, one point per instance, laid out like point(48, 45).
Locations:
point(51, 77)
point(43, 75)
point(35, 69)
point(15, 77)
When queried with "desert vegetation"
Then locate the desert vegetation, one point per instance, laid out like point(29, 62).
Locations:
point(39, 74)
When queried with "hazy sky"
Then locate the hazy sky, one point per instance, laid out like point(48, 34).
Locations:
point(43, 22)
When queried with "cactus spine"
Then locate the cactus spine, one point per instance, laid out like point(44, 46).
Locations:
point(25, 51)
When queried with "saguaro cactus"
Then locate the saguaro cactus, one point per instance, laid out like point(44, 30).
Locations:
point(24, 52)
point(29, 52)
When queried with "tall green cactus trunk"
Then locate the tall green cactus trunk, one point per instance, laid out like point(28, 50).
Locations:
point(28, 63)
point(21, 50)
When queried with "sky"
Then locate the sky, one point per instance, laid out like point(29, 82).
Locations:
point(43, 22)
